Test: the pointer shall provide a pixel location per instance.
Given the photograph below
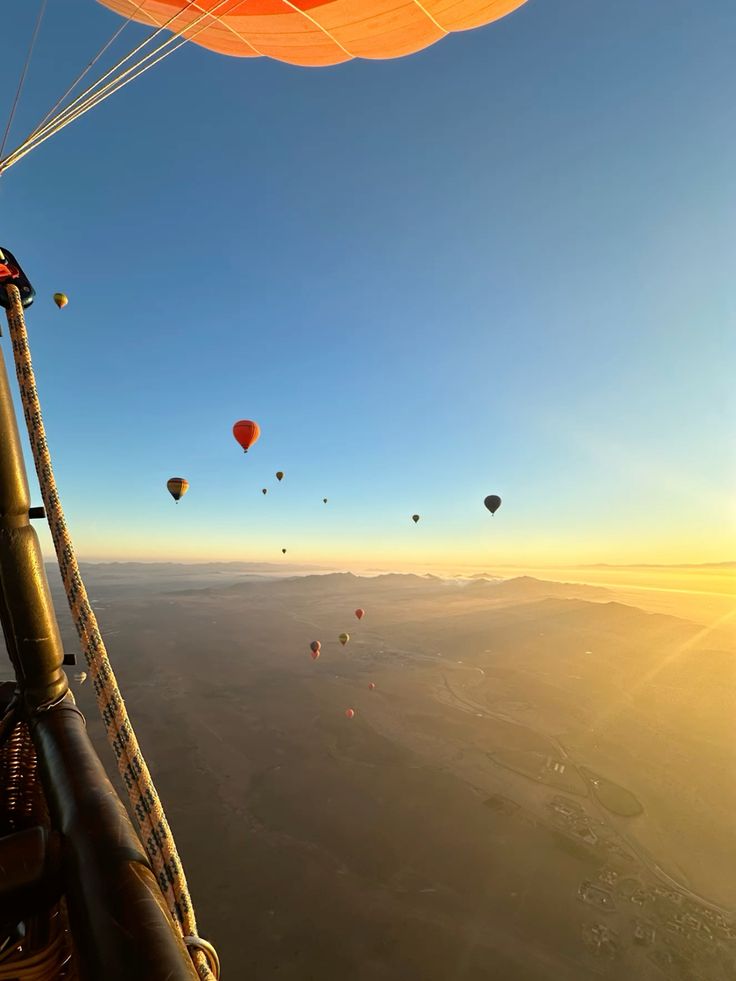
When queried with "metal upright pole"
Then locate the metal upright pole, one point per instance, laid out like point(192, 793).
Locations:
point(27, 614)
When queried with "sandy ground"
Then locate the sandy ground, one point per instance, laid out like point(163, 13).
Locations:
point(420, 839)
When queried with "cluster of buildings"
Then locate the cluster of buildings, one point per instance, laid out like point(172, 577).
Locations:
point(678, 930)
point(601, 939)
point(573, 819)
point(679, 933)
point(592, 894)
point(645, 933)
point(683, 916)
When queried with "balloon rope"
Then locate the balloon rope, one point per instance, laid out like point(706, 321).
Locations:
point(24, 72)
point(63, 119)
point(97, 92)
point(89, 66)
point(145, 803)
point(431, 17)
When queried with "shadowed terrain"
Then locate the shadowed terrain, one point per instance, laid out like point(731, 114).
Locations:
point(540, 785)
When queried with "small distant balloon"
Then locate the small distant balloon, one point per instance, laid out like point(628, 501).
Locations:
point(344, 638)
point(493, 503)
point(61, 300)
point(246, 432)
point(371, 685)
point(415, 518)
point(349, 713)
point(80, 677)
point(315, 654)
point(283, 551)
point(360, 614)
point(264, 490)
point(279, 475)
point(177, 487)
point(315, 646)
point(324, 500)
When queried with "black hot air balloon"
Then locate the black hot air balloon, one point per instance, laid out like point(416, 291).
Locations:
point(493, 503)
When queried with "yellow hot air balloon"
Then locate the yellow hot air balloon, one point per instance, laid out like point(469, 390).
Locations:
point(61, 299)
point(344, 638)
point(178, 487)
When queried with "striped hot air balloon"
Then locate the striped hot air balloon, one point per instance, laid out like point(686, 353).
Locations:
point(177, 487)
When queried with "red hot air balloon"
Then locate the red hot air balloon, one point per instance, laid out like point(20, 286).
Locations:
point(246, 432)
point(360, 614)
point(315, 647)
point(371, 685)
point(349, 713)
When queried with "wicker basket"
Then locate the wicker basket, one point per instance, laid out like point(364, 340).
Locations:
point(40, 948)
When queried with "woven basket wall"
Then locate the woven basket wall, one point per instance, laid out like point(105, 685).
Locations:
point(43, 950)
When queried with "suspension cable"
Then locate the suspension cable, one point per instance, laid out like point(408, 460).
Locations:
point(88, 68)
point(97, 92)
point(24, 72)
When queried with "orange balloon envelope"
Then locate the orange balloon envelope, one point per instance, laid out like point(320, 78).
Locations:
point(360, 614)
point(314, 32)
point(61, 300)
point(315, 646)
point(350, 713)
point(371, 685)
point(246, 433)
point(279, 475)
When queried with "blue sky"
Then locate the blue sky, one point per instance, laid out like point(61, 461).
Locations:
point(502, 265)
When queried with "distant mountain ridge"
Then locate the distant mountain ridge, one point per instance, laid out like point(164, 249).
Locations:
point(517, 587)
